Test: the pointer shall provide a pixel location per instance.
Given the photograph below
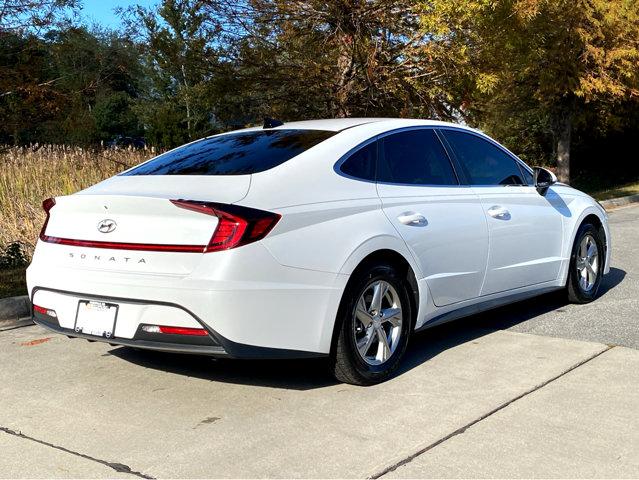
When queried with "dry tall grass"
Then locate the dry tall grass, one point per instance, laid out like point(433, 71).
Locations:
point(28, 175)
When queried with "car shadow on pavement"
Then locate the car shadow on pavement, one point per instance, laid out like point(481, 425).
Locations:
point(430, 342)
point(610, 281)
point(310, 374)
point(303, 374)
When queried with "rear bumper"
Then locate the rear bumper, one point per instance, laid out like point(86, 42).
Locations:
point(213, 345)
point(253, 306)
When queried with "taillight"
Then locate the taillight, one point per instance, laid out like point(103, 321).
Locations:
point(47, 205)
point(236, 225)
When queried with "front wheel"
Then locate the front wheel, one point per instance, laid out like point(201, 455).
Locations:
point(586, 265)
point(374, 321)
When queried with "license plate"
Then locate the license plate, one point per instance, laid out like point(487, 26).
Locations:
point(96, 318)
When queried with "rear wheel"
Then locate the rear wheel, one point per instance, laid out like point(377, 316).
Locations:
point(374, 321)
point(586, 265)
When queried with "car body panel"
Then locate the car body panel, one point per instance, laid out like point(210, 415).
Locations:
point(451, 246)
point(526, 244)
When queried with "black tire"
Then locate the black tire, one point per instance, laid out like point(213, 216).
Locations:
point(346, 363)
point(574, 290)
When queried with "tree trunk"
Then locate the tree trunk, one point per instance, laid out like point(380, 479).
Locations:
point(341, 91)
point(563, 147)
point(187, 102)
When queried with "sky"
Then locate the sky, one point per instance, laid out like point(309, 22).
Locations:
point(102, 11)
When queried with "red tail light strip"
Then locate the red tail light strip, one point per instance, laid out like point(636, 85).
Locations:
point(146, 247)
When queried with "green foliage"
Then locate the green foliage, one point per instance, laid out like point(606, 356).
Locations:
point(113, 115)
point(51, 86)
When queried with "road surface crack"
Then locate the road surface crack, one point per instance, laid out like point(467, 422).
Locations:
point(461, 430)
point(118, 467)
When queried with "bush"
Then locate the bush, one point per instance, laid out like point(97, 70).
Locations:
point(14, 255)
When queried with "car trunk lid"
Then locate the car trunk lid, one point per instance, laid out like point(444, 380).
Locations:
point(132, 225)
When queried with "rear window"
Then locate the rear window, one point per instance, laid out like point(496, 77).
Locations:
point(233, 154)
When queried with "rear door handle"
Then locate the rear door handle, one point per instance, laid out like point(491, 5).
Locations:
point(412, 218)
point(499, 212)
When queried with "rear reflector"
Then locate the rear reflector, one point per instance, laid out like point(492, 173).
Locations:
point(174, 330)
point(44, 311)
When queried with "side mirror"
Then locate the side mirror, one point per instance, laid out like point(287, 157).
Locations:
point(544, 179)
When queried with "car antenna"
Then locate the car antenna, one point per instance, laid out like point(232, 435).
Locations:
point(272, 122)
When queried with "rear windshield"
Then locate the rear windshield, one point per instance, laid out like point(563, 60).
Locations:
point(233, 154)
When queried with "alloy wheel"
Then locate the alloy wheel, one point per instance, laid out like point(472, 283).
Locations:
point(587, 263)
point(377, 322)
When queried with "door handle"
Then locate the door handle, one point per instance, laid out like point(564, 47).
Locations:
point(499, 212)
point(412, 218)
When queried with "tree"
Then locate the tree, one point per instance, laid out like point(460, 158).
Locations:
point(95, 69)
point(179, 59)
point(551, 60)
point(33, 14)
point(343, 58)
point(51, 85)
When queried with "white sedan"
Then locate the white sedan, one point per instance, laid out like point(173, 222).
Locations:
point(335, 238)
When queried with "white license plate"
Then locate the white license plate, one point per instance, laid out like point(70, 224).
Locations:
point(96, 318)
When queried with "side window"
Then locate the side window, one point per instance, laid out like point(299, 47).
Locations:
point(361, 164)
point(483, 162)
point(415, 157)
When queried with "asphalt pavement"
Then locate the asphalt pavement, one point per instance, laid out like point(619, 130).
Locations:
point(536, 389)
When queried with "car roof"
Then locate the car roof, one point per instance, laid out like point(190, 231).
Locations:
point(339, 124)
point(329, 124)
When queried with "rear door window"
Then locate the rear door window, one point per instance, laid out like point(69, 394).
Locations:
point(483, 162)
point(415, 157)
point(241, 153)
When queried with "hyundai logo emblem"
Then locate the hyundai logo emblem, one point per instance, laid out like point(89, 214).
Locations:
point(107, 226)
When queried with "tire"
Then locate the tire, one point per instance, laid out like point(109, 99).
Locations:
point(578, 288)
point(348, 365)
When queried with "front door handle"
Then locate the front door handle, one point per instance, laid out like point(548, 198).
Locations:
point(499, 212)
point(412, 218)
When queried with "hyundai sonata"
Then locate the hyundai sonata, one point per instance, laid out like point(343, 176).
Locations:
point(335, 238)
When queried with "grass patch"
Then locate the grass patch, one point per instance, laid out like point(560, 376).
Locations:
point(615, 192)
point(13, 282)
point(28, 175)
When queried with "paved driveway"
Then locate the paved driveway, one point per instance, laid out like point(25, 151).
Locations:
point(537, 389)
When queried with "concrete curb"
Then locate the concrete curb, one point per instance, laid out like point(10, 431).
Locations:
point(620, 202)
point(13, 308)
